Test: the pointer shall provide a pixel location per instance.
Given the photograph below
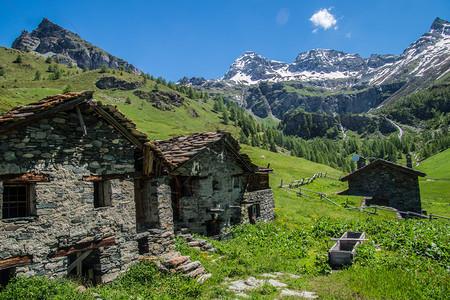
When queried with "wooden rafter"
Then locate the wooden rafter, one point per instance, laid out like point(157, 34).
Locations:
point(125, 132)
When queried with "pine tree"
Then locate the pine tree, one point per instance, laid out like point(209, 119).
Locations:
point(37, 75)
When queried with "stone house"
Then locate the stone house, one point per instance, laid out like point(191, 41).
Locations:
point(213, 185)
point(81, 190)
point(386, 184)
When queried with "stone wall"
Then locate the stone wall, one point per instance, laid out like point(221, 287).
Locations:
point(266, 205)
point(62, 210)
point(395, 188)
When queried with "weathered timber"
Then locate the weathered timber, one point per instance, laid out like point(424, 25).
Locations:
point(24, 178)
point(84, 247)
point(126, 133)
point(14, 262)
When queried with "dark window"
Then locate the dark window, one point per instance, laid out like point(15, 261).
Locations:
point(143, 245)
point(102, 193)
point(6, 275)
point(216, 185)
point(236, 182)
point(254, 212)
point(15, 201)
point(188, 187)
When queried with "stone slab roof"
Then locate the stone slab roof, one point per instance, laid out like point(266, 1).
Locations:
point(27, 114)
point(382, 162)
point(181, 149)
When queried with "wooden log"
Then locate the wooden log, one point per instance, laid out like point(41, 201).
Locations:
point(15, 262)
point(84, 247)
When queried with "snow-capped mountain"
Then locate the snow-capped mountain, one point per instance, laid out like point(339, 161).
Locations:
point(427, 59)
point(429, 56)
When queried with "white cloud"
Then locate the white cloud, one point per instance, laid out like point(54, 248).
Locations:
point(323, 19)
point(283, 16)
point(315, 30)
point(348, 35)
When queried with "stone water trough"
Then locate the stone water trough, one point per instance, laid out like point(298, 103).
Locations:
point(343, 251)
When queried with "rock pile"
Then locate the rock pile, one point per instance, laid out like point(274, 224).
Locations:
point(173, 262)
point(198, 244)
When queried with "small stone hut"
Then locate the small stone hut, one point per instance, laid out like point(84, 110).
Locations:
point(81, 190)
point(213, 185)
point(386, 184)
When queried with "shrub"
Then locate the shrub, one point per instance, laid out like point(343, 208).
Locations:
point(18, 59)
point(67, 88)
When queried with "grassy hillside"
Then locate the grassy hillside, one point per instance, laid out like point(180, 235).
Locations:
point(435, 187)
point(19, 86)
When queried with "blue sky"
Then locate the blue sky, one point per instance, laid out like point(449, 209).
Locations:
point(200, 38)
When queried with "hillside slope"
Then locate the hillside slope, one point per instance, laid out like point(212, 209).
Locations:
point(435, 187)
point(150, 104)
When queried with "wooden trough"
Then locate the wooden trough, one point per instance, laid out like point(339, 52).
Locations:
point(343, 251)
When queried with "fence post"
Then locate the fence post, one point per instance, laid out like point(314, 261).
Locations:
point(375, 209)
point(281, 184)
point(346, 204)
point(431, 216)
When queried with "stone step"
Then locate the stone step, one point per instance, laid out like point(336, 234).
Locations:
point(197, 272)
point(188, 267)
point(175, 261)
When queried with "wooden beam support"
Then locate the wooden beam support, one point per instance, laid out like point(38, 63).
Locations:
point(110, 119)
point(80, 117)
point(24, 178)
point(148, 160)
point(78, 260)
point(84, 247)
point(97, 178)
point(15, 262)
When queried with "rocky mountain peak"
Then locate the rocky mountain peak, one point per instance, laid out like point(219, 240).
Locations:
point(440, 26)
point(50, 39)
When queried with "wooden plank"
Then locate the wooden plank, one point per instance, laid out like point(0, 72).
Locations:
point(24, 178)
point(15, 262)
point(119, 127)
point(79, 260)
point(84, 247)
point(96, 178)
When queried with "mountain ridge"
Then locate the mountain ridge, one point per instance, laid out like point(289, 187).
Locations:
point(52, 40)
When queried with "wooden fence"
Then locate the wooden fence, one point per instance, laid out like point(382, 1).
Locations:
point(399, 213)
point(307, 180)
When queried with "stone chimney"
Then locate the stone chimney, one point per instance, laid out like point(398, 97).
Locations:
point(361, 162)
point(408, 161)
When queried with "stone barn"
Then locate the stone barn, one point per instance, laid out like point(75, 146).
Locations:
point(82, 191)
point(386, 184)
point(213, 185)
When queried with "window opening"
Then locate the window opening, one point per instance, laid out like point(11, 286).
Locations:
point(102, 193)
point(216, 185)
point(15, 201)
point(143, 245)
point(236, 182)
point(86, 267)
